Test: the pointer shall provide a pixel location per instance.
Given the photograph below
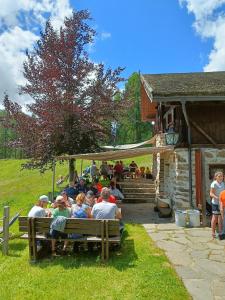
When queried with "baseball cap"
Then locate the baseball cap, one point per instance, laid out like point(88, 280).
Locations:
point(43, 198)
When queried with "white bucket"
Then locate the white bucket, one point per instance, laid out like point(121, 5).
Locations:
point(187, 218)
point(180, 218)
point(194, 217)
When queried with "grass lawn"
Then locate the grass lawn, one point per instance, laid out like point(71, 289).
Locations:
point(138, 271)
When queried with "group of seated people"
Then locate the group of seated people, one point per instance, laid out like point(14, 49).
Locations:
point(119, 171)
point(78, 202)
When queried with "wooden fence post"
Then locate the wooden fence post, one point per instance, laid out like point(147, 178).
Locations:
point(5, 246)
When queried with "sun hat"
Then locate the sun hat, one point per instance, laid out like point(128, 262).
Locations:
point(44, 198)
point(59, 199)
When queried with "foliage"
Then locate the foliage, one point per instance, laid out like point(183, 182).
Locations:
point(8, 147)
point(138, 271)
point(73, 97)
point(131, 128)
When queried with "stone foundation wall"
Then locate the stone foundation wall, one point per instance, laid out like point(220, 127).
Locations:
point(174, 182)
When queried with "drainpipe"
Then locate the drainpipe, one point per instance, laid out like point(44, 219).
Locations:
point(183, 103)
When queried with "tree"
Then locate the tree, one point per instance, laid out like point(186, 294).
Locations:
point(73, 97)
point(131, 128)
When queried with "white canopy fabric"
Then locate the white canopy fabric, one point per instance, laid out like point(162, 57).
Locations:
point(117, 154)
point(129, 146)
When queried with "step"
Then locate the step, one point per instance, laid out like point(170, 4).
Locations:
point(139, 190)
point(138, 200)
point(135, 184)
point(136, 195)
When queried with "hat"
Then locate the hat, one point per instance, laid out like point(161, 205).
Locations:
point(43, 198)
point(59, 199)
point(90, 194)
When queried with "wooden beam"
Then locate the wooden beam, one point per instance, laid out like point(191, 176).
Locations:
point(202, 131)
point(5, 246)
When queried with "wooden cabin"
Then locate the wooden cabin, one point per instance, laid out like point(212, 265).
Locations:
point(188, 112)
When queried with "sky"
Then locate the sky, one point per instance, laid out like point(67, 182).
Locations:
point(163, 36)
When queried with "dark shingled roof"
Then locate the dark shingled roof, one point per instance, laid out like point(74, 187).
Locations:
point(186, 84)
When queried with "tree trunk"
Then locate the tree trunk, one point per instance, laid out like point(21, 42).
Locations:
point(71, 169)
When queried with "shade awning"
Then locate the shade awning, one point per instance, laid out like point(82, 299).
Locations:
point(117, 154)
point(130, 146)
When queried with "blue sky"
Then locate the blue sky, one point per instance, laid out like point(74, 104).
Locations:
point(150, 36)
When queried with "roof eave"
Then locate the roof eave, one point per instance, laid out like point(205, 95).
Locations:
point(190, 98)
point(147, 87)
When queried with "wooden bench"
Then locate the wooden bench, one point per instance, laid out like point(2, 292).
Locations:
point(103, 232)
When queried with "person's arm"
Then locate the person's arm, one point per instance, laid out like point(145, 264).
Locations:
point(212, 194)
point(120, 195)
point(118, 213)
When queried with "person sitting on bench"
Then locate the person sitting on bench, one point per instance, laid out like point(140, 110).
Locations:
point(58, 222)
point(39, 209)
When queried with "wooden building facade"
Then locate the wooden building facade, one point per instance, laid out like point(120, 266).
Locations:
point(188, 111)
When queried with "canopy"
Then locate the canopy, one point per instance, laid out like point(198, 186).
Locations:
point(129, 146)
point(118, 154)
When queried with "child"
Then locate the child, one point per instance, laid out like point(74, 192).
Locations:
point(216, 188)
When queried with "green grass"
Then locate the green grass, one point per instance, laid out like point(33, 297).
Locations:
point(138, 271)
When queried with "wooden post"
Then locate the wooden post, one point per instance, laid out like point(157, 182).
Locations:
point(81, 167)
point(53, 181)
point(5, 246)
point(203, 189)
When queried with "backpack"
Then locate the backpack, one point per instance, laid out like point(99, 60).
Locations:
point(80, 213)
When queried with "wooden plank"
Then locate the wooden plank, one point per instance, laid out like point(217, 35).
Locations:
point(23, 228)
point(204, 221)
point(5, 246)
point(202, 131)
point(31, 254)
point(198, 178)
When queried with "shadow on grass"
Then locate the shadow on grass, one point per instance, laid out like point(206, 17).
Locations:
point(121, 259)
point(15, 247)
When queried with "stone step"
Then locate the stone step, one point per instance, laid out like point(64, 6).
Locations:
point(138, 200)
point(140, 190)
point(135, 184)
point(141, 195)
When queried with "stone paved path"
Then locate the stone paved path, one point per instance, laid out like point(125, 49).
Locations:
point(197, 259)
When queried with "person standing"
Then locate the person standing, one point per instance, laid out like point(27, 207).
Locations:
point(93, 171)
point(222, 211)
point(217, 186)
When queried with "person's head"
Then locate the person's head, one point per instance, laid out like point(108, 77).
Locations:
point(60, 203)
point(81, 181)
point(43, 201)
point(80, 198)
point(105, 193)
point(90, 198)
point(65, 196)
point(218, 176)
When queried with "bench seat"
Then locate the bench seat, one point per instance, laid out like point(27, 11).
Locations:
point(103, 232)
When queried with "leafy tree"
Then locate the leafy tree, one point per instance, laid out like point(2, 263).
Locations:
point(131, 129)
point(73, 97)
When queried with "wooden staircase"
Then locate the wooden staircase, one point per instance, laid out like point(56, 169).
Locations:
point(139, 190)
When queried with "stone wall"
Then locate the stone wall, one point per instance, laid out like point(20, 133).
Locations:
point(173, 182)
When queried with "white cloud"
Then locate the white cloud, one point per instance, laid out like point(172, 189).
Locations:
point(105, 35)
point(20, 23)
point(210, 23)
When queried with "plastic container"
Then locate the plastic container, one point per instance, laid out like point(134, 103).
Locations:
point(180, 218)
point(194, 217)
point(187, 218)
